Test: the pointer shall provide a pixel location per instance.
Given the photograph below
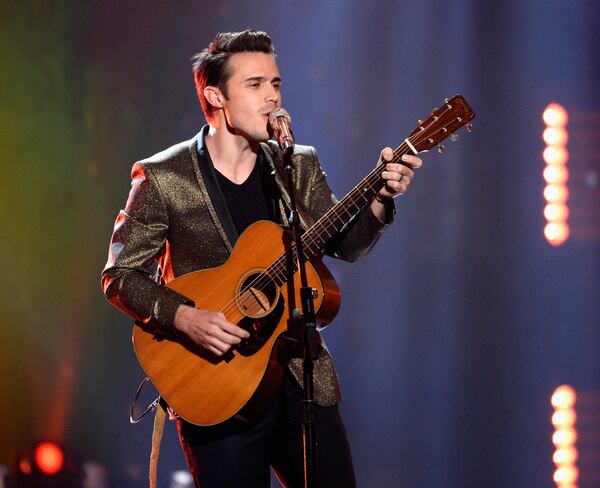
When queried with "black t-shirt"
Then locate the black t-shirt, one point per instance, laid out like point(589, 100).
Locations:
point(247, 202)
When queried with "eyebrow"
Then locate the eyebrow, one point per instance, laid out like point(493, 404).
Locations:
point(262, 78)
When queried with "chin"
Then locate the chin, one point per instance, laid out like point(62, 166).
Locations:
point(261, 136)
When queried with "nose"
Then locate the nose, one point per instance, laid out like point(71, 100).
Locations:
point(273, 96)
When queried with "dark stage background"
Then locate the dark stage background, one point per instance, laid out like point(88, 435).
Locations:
point(453, 333)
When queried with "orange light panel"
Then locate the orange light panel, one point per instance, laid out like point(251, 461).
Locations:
point(565, 436)
point(49, 458)
point(556, 174)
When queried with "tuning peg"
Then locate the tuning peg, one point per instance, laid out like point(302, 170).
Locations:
point(440, 148)
point(419, 121)
point(454, 137)
point(469, 127)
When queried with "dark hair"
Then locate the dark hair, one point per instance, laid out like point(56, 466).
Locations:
point(210, 65)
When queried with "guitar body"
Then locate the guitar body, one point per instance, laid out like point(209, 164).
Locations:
point(205, 389)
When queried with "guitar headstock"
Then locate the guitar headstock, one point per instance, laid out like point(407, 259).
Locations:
point(443, 122)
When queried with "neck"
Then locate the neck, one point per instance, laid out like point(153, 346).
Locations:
point(232, 154)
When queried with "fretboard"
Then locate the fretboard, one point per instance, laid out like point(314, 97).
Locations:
point(443, 122)
point(332, 222)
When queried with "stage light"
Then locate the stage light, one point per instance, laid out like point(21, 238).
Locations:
point(181, 479)
point(24, 466)
point(555, 115)
point(48, 465)
point(563, 397)
point(556, 174)
point(556, 193)
point(49, 458)
point(564, 418)
point(565, 455)
point(556, 233)
point(564, 438)
point(556, 211)
point(555, 136)
point(555, 155)
point(568, 475)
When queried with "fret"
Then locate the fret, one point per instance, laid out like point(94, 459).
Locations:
point(328, 234)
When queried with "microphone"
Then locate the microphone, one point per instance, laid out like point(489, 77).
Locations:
point(281, 123)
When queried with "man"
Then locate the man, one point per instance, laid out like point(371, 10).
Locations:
point(186, 209)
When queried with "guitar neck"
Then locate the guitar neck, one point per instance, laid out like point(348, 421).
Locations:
point(333, 221)
point(443, 122)
point(315, 238)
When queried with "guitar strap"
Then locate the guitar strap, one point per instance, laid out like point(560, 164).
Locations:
point(157, 434)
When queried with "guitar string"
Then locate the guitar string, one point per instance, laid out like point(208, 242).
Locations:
point(264, 278)
point(277, 264)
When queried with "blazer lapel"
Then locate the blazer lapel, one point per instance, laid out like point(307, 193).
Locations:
point(215, 200)
point(211, 192)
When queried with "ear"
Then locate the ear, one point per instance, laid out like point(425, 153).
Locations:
point(214, 96)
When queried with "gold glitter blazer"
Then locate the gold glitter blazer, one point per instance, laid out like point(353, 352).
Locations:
point(176, 221)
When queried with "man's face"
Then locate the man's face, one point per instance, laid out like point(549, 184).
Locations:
point(252, 93)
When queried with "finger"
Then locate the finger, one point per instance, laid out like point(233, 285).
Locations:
point(220, 346)
point(226, 337)
point(387, 154)
point(215, 351)
point(221, 321)
point(395, 187)
point(396, 176)
point(399, 168)
point(414, 161)
point(234, 330)
point(390, 195)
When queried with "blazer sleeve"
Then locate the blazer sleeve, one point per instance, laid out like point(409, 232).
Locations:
point(359, 236)
point(138, 240)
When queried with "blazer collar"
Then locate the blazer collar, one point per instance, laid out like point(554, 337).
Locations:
point(213, 196)
point(216, 199)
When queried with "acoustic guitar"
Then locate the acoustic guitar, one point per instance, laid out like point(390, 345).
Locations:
point(251, 290)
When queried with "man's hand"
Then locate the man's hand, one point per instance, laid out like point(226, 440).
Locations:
point(210, 330)
point(397, 178)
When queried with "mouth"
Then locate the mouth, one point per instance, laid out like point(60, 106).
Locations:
point(269, 128)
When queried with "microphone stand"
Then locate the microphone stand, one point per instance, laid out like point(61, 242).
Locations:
point(307, 321)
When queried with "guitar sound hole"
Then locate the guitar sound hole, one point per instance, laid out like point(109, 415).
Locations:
point(261, 303)
point(257, 295)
